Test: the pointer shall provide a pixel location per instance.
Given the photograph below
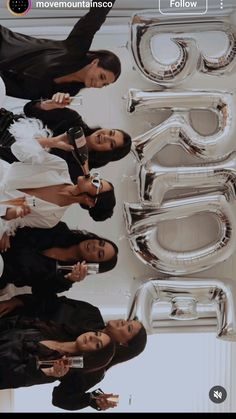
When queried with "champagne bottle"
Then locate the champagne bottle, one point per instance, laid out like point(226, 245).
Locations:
point(77, 139)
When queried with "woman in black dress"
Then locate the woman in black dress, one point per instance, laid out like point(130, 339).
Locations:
point(32, 68)
point(104, 145)
point(34, 253)
point(24, 341)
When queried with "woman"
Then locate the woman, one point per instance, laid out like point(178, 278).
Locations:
point(104, 145)
point(32, 68)
point(130, 337)
point(71, 393)
point(44, 179)
point(34, 253)
point(25, 341)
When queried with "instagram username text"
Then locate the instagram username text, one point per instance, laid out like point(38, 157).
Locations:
point(72, 4)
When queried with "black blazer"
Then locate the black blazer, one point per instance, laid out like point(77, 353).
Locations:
point(29, 65)
point(24, 264)
point(19, 347)
point(75, 317)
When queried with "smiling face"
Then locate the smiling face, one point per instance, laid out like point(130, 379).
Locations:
point(123, 330)
point(92, 341)
point(96, 250)
point(105, 140)
point(98, 77)
point(86, 186)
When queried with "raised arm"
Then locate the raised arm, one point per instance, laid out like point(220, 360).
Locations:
point(58, 120)
point(84, 30)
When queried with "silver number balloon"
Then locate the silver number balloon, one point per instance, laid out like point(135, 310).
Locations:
point(142, 226)
point(148, 25)
point(177, 128)
point(154, 180)
point(185, 296)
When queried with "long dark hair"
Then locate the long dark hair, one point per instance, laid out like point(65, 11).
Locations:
point(99, 359)
point(67, 118)
point(60, 236)
point(134, 347)
point(78, 236)
point(107, 60)
point(93, 361)
point(105, 203)
point(98, 158)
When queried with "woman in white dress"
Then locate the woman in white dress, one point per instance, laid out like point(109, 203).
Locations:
point(43, 180)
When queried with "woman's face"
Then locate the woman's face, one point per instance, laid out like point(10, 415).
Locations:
point(98, 77)
point(86, 186)
point(105, 140)
point(92, 341)
point(96, 250)
point(123, 330)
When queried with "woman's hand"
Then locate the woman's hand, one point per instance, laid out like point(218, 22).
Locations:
point(78, 273)
point(59, 369)
point(17, 211)
point(59, 100)
point(103, 403)
point(5, 243)
point(60, 141)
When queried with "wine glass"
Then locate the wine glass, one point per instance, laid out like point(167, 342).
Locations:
point(76, 101)
point(70, 361)
point(93, 268)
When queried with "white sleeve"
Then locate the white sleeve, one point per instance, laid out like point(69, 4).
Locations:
point(30, 152)
point(5, 225)
point(2, 227)
point(3, 210)
point(26, 148)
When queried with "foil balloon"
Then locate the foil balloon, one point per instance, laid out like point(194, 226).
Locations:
point(142, 227)
point(155, 180)
point(177, 129)
point(191, 301)
point(146, 30)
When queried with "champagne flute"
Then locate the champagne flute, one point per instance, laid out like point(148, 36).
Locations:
point(70, 361)
point(93, 268)
point(76, 101)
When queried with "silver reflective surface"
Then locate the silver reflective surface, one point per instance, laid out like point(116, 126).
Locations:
point(149, 24)
point(142, 228)
point(184, 295)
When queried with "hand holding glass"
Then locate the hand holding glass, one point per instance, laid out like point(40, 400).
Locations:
point(70, 361)
point(92, 268)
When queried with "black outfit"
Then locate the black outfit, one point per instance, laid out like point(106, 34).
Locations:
point(75, 317)
point(20, 348)
point(29, 65)
point(57, 120)
point(24, 263)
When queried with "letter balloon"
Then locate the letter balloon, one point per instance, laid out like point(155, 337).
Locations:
point(185, 295)
point(142, 228)
point(148, 27)
point(177, 129)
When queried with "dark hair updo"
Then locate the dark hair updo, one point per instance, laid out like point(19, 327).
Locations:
point(105, 204)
